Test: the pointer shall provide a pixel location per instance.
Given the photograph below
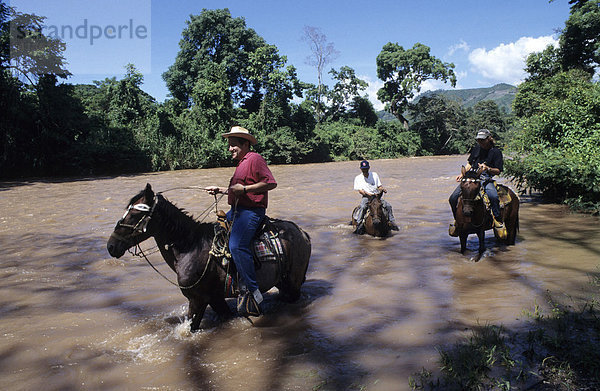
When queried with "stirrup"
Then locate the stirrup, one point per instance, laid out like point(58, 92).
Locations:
point(247, 305)
point(500, 229)
point(452, 231)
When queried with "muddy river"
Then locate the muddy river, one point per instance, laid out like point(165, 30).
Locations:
point(371, 314)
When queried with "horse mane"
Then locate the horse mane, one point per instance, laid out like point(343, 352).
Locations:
point(471, 174)
point(181, 224)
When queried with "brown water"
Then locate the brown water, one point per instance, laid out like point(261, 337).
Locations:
point(371, 314)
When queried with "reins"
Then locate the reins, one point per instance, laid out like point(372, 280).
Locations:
point(473, 200)
point(139, 250)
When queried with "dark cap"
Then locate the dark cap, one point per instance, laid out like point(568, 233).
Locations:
point(364, 164)
point(482, 134)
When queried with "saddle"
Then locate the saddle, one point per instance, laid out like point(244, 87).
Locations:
point(266, 247)
point(503, 196)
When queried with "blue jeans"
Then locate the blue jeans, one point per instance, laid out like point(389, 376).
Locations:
point(491, 192)
point(245, 223)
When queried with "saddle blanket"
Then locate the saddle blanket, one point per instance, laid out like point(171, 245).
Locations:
point(267, 247)
point(504, 197)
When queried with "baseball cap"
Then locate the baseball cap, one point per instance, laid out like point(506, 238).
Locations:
point(482, 134)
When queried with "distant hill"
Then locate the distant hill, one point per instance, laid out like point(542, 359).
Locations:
point(503, 94)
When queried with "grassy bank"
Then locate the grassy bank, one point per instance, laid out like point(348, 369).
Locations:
point(557, 350)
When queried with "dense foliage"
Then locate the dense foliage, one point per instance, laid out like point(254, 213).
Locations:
point(224, 74)
point(557, 150)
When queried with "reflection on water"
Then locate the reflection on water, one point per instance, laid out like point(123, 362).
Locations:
point(372, 310)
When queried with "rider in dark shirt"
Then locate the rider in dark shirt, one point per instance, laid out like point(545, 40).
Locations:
point(487, 156)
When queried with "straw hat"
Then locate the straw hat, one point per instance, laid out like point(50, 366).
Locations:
point(238, 131)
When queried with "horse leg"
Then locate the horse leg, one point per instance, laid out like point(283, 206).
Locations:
point(481, 236)
point(297, 264)
point(463, 243)
point(512, 224)
point(289, 288)
point(219, 305)
point(195, 313)
point(512, 231)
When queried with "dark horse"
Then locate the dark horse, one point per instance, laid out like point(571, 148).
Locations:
point(186, 245)
point(375, 219)
point(472, 217)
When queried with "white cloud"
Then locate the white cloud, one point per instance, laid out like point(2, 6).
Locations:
point(462, 45)
point(371, 91)
point(433, 85)
point(505, 62)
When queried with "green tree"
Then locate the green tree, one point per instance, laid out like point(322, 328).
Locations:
point(558, 109)
point(403, 72)
point(216, 38)
point(362, 108)
point(346, 88)
point(543, 64)
point(486, 114)
point(33, 54)
point(438, 121)
point(580, 39)
point(558, 150)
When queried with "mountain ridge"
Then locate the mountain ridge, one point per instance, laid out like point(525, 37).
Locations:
point(503, 94)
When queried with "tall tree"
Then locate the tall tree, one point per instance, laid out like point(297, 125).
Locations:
point(403, 72)
point(438, 121)
point(580, 39)
point(33, 54)
point(346, 88)
point(362, 108)
point(215, 38)
point(322, 53)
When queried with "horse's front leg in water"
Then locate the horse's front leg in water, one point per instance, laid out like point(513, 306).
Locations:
point(463, 242)
point(196, 313)
point(219, 305)
point(481, 236)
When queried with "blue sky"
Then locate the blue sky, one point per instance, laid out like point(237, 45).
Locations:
point(486, 40)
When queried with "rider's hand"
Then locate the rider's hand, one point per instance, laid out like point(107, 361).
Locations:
point(237, 189)
point(458, 177)
point(212, 190)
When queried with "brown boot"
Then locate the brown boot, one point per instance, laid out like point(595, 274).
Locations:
point(452, 230)
point(500, 229)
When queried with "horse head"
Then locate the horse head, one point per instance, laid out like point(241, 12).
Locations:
point(470, 186)
point(375, 207)
point(133, 227)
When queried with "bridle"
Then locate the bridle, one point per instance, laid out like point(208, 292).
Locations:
point(471, 201)
point(141, 226)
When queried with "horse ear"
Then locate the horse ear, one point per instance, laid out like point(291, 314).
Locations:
point(148, 193)
point(463, 170)
point(479, 171)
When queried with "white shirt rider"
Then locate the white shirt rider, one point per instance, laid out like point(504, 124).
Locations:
point(369, 184)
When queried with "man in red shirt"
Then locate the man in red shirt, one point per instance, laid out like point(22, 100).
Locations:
point(248, 197)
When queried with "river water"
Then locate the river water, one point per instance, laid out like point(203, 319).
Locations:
point(372, 310)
